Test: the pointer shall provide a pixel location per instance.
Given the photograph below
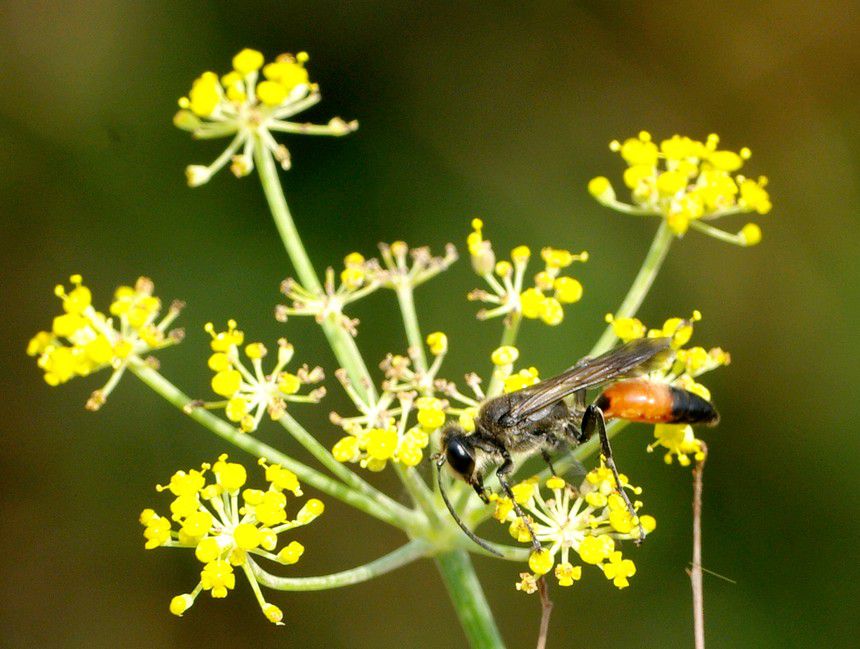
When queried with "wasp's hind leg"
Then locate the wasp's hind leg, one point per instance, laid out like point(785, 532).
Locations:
point(593, 421)
point(502, 474)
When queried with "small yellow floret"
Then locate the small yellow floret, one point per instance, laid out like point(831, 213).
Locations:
point(271, 93)
point(601, 189)
point(291, 553)
point(541, 561)
point(505, 355)
point(226, 383)
point(750, 234)
point(180, 604)
point(273, 613)
point(247, 61)
point(567, 573)
point(438, 343)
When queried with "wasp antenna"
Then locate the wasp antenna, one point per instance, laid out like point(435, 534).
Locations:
point(462, 525)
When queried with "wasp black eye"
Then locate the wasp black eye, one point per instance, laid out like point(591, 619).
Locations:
point(460, 457)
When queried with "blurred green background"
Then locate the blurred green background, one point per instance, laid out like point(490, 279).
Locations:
point(489, 109)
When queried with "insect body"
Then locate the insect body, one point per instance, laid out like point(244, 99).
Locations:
point(540, 418)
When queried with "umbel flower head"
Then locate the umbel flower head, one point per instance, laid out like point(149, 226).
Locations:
point(680, 371)
point(687, 183)
point(249, 103)
point(574, 525)
point(384, 430)
point(249, 392)
point(507, 294)
point(82, 340)
point(357, 279)
point(227, 526)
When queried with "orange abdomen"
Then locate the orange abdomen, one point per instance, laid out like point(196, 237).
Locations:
point(637, 400)
point(655, 403)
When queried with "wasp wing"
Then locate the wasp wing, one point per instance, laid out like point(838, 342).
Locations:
point(635, 357)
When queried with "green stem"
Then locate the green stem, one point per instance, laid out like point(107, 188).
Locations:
point(413, 482)
point(252, 445)
point(406, 554)
point(641, 285)
point(341, 341)
point(321, 453)
point(419, 491)
point(469, 600)
point(405, 298)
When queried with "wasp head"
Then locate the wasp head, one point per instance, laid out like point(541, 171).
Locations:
point(459, 452)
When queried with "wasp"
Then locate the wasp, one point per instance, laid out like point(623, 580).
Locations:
point(552, 414)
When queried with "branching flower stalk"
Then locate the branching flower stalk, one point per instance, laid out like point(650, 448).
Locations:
point(233, 527)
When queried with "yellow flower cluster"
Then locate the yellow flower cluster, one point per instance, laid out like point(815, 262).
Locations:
point(358, 278)
point(250, 393)
point(503, 359)
point(83, 341)
point(505, 278)
point(384, 430)
point(680, 371)
point(248, 103)
point(686, 182)
point(226, 525)
point(585, 522)
point(389, 438)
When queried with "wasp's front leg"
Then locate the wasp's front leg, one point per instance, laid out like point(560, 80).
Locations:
point(502, 474)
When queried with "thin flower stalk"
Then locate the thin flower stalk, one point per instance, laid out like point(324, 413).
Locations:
point(398, 516)
point(404, 555)
point(641, 285)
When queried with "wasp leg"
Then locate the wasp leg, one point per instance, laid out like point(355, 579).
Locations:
point(546, 458)
point(478, 486)
point(502, 474)
point(593, 421)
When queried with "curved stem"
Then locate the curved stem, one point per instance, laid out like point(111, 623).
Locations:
point(252, 445)
point(406, 554)
point(641, 285)
point(322, 454)
point(341, 341)
point(469, 600)
point(722, 235)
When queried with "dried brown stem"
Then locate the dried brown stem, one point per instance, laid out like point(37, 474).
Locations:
point(696, 568)
point(545, 611)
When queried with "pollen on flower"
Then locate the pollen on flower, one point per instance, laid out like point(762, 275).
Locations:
point(228, 527)
point(248, 109)
point(83, 341)
point(249, 391)
point(572, 524)
point(687, 183)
